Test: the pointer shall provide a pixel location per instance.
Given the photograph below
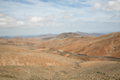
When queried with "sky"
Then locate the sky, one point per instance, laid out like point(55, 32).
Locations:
point(34, 17)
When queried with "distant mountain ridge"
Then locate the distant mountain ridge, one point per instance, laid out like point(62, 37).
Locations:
point(47, 35)
point(54, 35)
point(65, 35)
point(40, 36)
point(89, 34)
point(6, 37)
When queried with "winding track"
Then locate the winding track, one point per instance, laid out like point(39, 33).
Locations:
point(86, 56)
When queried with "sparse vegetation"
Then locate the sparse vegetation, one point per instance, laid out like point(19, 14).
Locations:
point(64, 72)
point(101, 73)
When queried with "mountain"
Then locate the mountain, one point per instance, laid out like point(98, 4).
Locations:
point(105, 45)
point(41, 36)
point(47, 35)
point(65, 35)
point(6, 37)
point(82, 58)
point(88, 34)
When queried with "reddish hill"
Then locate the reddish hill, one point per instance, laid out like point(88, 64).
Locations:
point(105, 45)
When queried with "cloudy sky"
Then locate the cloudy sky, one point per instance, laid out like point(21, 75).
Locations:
point(34, 17)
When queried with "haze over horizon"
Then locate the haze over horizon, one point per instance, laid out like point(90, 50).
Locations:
point(34, 17)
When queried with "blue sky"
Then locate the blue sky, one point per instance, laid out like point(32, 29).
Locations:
point(34, 17)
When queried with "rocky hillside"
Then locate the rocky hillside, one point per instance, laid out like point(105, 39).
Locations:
point(36, 59)
point(105, 45)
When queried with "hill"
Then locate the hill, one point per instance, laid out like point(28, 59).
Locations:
point(21, 63)
point(65, 35)
point(105, 45)
point(70, 57)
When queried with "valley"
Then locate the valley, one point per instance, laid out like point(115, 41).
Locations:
point(67, 56)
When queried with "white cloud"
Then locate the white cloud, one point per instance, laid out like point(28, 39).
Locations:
point(50, 14)
point(66, 16)
point(97, 5)
point(36, 19)
point(9, 21)
point(2, 19)
point(6, 21)
point(7, 18)
point(20, 23)
point(2, 23)
point(117, 14)
point(113, 5)
point(1, 14)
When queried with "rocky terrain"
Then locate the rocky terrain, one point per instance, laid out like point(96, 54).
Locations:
point(67, 56)
point(106, 45)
